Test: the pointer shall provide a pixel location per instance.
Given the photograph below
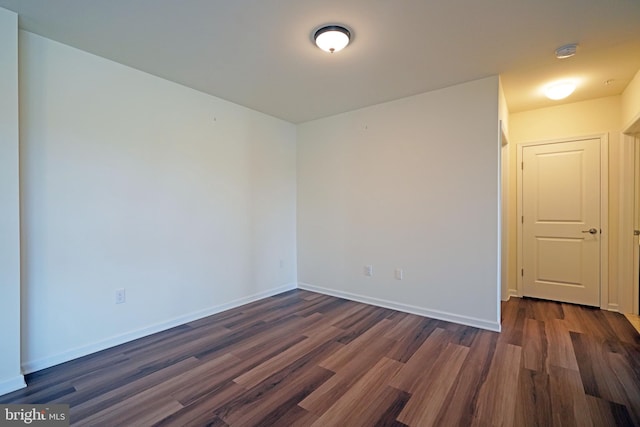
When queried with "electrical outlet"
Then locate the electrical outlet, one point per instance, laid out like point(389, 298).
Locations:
point(121, 297)
point(399, 274)
point(368, 270)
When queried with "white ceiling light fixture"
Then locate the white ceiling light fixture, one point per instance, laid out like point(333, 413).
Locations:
point(560, 90)
point(332, 38)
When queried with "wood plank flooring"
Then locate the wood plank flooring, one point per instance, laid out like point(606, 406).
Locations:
point(305, 359)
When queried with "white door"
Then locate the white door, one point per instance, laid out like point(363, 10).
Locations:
point(561, 221)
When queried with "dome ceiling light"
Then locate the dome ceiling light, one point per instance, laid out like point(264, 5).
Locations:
point(560, 90)
point(332, 38)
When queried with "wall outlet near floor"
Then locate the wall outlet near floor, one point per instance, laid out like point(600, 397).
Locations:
point(368, 270)
point(399, 274)
point(121, 297)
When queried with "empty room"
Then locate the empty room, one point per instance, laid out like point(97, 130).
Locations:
point(297, 213)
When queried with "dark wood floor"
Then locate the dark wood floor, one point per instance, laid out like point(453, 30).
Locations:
point(301, 359)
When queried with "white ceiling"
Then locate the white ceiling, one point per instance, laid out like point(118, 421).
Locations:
point(260, 54)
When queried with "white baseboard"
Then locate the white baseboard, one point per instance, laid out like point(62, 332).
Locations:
point(12, 384)
point(511, 293)
point(613, 307)
point(47, 362)
point(434, 314)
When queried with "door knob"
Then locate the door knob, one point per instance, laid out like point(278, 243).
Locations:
point(590, 231)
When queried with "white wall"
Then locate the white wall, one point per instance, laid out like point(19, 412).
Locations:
point(10, 375)
point(567, 120)
point(131, 181)
point(409, 184)
point(506, 272)
point(503, 110)
point(627, 255)
point(631, 105)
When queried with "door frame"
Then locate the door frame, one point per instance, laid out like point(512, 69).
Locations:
point(635, 309)
point(604, 212)
point(627, 266)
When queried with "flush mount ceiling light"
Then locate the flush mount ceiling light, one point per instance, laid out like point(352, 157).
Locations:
point(560, 90)
point(332, 38)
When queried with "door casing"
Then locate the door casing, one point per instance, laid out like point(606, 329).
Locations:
point(604, 211)
point(635, 306)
